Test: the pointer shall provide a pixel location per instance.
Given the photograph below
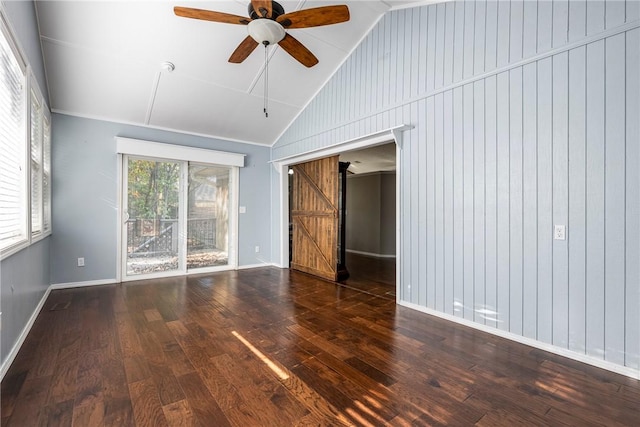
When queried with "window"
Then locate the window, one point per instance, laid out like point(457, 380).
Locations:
point(36, 164)
point(25, 152)
point(13, 170)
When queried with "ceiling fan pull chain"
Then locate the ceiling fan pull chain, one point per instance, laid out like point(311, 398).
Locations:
point(266, 79)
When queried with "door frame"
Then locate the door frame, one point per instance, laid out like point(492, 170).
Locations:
point(378, 138)
point(163, 151)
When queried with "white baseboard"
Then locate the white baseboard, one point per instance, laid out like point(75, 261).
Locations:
point(599, 363)
point(23, 335)
point(250, 266)
point(70, 285)
point(369, 254)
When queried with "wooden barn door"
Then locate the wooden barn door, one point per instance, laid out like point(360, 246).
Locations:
point(314, 214)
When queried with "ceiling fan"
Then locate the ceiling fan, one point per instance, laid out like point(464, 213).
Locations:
point(267, 24)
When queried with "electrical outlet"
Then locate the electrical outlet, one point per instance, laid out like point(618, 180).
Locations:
point(559, 232)
point(81, 262)
point(257, 249)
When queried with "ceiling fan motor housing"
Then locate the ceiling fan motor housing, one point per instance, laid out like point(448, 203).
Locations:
point(277, 10)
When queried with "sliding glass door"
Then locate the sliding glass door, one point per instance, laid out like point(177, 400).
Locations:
point(208, 216)
point(178, 218)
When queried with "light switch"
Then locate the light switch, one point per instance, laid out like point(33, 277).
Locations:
point(559, 232)
point(243, 209)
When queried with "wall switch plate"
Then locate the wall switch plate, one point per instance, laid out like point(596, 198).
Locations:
point(257, 249)
point(243, 209)
point(80, 262)
point(559, 232)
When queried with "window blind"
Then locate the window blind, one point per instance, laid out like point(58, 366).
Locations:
point(46, 173)
point(13, 189)
point(36, 163)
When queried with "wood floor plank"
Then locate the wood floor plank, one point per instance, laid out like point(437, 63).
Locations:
point(147, 409)
point(202, 403)
point(271, 347)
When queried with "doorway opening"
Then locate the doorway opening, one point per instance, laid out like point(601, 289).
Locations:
point(370, 219)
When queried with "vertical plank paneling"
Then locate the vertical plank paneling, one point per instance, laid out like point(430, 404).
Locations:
point(439, 206)
point(560, 22)
point(423, 15)
point(441, 17)
point(491, 35)
point(407, 55)
point(397, 67)
point(467, 208)
point(503, 180)
point(431, 206)
point(614, 13)
point(504, 23)
point(530, 198)
point(448, 42)
point(560, 64)
point(491, 225)
point(615, 154)
point(595, 16)
point(449, 252)
point(530, 29)
point(479, 201)
point(595, 199)
point(415, 52)
point(515, 36)
point(545, 25)
point(515, 199)
point(632, 185)
point(469, 39)
point(492, 165)
point(577, 20)
point(632, 11)
point(479, 37)
point(422, 198)
point(545, 201)
point(431, 48)
point(458, 242)
point(418, 203)
point(577, 198)
point(458, 41)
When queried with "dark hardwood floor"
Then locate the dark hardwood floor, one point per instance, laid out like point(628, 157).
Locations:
point(373, 275)
point(269, 347)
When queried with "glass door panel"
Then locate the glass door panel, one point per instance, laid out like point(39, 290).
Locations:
point(208, 216)
point(152, 229)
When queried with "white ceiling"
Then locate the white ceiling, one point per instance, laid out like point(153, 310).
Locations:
point(103, 60)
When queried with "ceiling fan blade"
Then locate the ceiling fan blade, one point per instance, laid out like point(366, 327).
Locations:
point(243, 50)
point(262, 7)
point(314, 17)
point(210, 15)
point(298, 51)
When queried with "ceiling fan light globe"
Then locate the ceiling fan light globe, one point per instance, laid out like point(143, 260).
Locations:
point(265, 31)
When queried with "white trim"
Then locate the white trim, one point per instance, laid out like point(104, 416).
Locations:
point(120, 209)
point(23, 335)
point(418, 3)
point(87, 283)
point(138, 147)
point(371, 254)
point(599, 363)
point(250, 266)
point(179, 132)
point(369, 140)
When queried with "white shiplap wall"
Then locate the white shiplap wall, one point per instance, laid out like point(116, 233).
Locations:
point(526, 114)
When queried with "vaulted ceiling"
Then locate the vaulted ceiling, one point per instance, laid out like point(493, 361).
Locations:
point(104, 60)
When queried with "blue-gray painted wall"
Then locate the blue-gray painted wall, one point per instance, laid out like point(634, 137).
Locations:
point(525, 114)
point(85, 192)
point(24, 276)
